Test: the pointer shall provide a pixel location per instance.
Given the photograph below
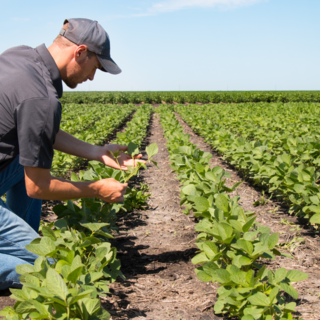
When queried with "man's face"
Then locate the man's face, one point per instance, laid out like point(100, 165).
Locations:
point(83, 69)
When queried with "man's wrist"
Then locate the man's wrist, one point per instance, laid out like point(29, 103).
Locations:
point(94, 187)
point(98, 153)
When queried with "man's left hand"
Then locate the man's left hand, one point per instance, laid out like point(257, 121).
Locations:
point(124, 159)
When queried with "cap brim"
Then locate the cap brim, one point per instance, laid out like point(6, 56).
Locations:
point(109, 65)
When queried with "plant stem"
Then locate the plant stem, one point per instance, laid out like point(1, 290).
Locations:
point(68, 313)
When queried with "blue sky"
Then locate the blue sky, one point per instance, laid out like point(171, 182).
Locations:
point(186, 44)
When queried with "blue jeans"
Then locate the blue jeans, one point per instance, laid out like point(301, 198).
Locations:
point(19, 223)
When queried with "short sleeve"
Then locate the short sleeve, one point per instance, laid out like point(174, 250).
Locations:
point(37, 122)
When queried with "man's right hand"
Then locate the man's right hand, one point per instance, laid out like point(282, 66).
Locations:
point(111, 190)
point(41, 185)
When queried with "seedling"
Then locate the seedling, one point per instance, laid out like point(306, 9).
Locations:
point(296, 228)
point(133, 150)
point(273, 211)
point(293, 244)
point(262, 201)
point(286, 222)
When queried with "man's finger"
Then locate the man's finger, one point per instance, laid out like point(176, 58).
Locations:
point(138, 156)
point(125, 185)
point(123, 148)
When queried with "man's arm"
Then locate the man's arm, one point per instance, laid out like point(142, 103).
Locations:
point(67, 143)
point(41, 185)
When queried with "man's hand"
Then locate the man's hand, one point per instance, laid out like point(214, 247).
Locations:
point(124, 159)
point(110, 190)
point(41, 185)
point(69, 144)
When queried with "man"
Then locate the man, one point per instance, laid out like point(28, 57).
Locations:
point(30, 114)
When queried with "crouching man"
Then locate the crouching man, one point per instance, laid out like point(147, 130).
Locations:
point(30, 114)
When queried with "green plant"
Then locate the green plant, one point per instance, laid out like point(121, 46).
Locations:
point(275, 146)
point(76, 262)
point(249, 295)
point(133, 150)
point(262, 201)
point(231, 245)
point(273, 211)
point(72, 269)
point(293, 244)
point(89, 127)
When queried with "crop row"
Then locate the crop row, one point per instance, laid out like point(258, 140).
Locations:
point(190, 97)
point(71, 111)
point(76, 262)
point(102, 129)
point(80, 121)
point(283, 162)
point(232, 246)
point(134, 134)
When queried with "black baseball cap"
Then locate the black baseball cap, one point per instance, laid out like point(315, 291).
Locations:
point(89, 32)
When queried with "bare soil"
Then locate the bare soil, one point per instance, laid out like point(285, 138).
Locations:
point(155, 248)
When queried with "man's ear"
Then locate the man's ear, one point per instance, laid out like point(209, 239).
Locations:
point(80, 51)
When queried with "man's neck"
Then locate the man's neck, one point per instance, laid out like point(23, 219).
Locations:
point(62, 57)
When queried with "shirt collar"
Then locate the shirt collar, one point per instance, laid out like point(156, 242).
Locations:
point(52, 67)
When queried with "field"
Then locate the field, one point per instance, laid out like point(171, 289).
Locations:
point(223, 223)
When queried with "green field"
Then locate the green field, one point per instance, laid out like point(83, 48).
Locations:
point(273, 138)
point(156, 97)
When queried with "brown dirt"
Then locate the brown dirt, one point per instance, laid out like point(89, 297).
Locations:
point(155, 248)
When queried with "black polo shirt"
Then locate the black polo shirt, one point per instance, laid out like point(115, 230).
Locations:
point(30, 110)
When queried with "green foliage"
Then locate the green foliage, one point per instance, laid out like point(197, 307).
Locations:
point(136, 129)
point(72, 269)
point(76, 261)
point(94, 126)
point(232, 247)
point(190, 97)
point(275, 145)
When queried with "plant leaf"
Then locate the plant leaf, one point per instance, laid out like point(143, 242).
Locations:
point(273, 240)
point(259, 299)
point(315, 218)
point(133, 149)
point(56, 285)
point(296, 275)
point(290, 290)
point(222, 202)
point(94, 226)
point(280, 274)
point(201, 204)
point(152, 150)
point(25, 307)
point(223, 276)
point(239, 278)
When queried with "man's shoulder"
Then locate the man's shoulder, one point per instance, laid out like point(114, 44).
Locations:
point(18, 49)
point(19, 52)
point(24, 71)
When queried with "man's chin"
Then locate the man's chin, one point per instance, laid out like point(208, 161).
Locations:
point(71, 85)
